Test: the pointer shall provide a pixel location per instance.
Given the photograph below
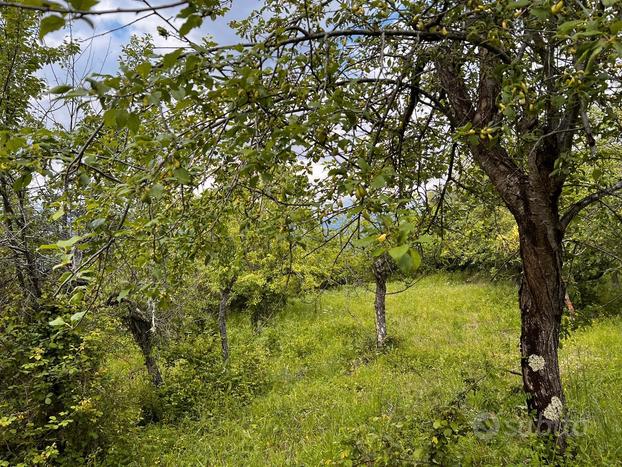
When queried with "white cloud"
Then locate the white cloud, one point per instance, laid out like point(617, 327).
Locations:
point(101, 45)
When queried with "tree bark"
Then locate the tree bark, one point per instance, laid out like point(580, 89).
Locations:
point(222, 322)
point(532, 196)
point(541, 299)
point(154, 370)
point(140, 327)
point(381, 269)
point(17, 231)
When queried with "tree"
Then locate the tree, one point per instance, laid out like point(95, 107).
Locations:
point(374, 89)
point(19, 63)
point(513, 80)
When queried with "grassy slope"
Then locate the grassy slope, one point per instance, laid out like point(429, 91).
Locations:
point(329, 385)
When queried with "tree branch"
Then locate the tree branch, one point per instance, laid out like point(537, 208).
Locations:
point(579, 205)
point(70, 11)
point(415, 34)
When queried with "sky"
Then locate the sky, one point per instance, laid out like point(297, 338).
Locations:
point(101, 44)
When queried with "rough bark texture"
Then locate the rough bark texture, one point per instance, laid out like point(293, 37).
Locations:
point(140, 326)
point(531, 194)
point(381, 269)
point(541, 299)
point(222, 322)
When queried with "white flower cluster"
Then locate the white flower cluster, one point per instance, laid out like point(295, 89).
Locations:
point(536, 362)
point(554, 410)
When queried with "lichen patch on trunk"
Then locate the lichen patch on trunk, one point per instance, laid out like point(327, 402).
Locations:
point(554, 410)
point(536, 362)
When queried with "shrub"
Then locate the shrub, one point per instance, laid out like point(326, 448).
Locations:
point(49, 409)
point(197, 382)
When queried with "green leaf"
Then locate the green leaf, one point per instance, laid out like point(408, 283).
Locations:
point(57, 322)
point(123, 294)
point(405, 263)
point(365, 241)
point(178, 94)
point(62, 89)
point(170, 59)
point(78, 316)
point(83, 4)
point(416, 259)
point(378, 182)
point(77, 92)
point(22, 182)
point(58, 214)
point(519, 4)
point(121, 118)
point(156, 190)
point(52, 246)
point(182, 176)
point(50, 24)
point(96, 223)
point(399, 251)
point(118, 118)
point(77, 297)
point(133, 122)
point(193, 21)
point(15, 143)
point(540, 12)
point(144, 69)
point(69, 242)
point(110, 118)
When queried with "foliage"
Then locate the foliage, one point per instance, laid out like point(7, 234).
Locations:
point(328, 386)
point(477, 237)
point(51, 410)
point(192, 182)
point(199, 385)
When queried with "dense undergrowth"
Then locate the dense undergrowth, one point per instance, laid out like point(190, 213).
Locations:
point(311, 389)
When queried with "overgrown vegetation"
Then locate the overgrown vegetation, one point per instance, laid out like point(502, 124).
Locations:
point(328, 396)
point(306, 248)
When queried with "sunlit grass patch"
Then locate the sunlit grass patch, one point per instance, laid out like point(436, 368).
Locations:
point(452, 357)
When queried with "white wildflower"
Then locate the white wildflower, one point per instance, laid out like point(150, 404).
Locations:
point(536, 362)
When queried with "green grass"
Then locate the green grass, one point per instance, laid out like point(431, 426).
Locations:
point(332, 397)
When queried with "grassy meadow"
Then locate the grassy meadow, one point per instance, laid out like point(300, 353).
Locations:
point(445, 392)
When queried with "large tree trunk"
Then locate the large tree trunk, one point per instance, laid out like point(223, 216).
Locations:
point(222, 322)
point(541, 299)
point(381, 269)
point(532, 194)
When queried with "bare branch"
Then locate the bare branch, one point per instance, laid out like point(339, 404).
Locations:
point(70, 11)
point(585, 202)
point(415, 34)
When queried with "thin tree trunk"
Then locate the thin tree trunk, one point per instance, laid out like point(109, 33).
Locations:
point(381, 271)
point(16, 226)
point(222, 322)
point(154, 370)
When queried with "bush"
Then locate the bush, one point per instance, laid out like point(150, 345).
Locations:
point(198, 383)
point(49, 409)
